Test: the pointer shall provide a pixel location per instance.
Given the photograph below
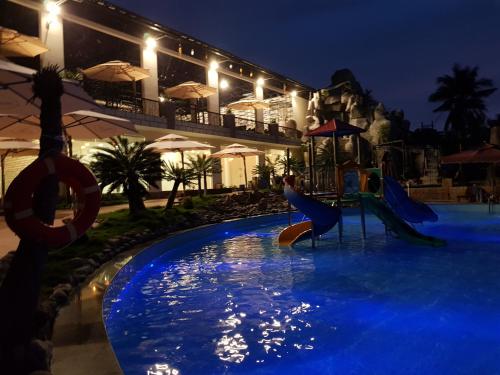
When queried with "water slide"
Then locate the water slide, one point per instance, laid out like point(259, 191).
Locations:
point(406, 208)
point(396, 224)
point(323, 218)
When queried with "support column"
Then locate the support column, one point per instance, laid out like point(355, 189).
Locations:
point(149, 60)
point(213, 100)
point(299, 111)
point(51, 33)
point(217, 177)
point(259, 113)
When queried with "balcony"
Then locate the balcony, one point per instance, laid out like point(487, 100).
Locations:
point(190, 118)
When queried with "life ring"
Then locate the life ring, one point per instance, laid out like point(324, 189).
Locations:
point(18, 204)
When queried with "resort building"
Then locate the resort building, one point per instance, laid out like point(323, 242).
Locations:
point(83, 33)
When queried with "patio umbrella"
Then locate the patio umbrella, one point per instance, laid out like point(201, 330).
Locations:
point(177, 143)
point(248, 104)
point(16, 92)
point(486, 154)
point(238, 151)
point(13, 43)
point(78, 125)
point(190, 90)
point(14, 147)
point(117, 71)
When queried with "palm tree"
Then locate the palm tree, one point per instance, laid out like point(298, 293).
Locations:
point(179, 175)
point(325, 161)
point(202, 166)
point(264, 172)
point(297, 166)
point(130, 166)
point(462, 95)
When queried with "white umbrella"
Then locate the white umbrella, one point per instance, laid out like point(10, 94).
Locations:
point(76, 125)
point(190, 90)
point(177, 143)
point(248, 104)
point(237, 151)
point(14, 147)
point(13, 43)
point(16, 92)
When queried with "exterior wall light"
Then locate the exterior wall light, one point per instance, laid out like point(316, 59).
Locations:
point(260, 81)
point(224, 84)
point(151, 43)
point(53, 11)
point(192, 52)
point(53, 8)
point(230, 66)
point(214, 65)
point(293, 93)
point(161, 98)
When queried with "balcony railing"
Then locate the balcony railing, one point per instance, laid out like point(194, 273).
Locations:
point(181, 112)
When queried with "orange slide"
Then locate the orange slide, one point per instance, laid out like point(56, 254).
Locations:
point(293, 233)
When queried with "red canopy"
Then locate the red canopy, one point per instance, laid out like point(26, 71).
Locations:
point(485, 154)
point(335, 127)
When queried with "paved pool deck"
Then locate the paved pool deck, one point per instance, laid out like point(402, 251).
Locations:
point(9, 241)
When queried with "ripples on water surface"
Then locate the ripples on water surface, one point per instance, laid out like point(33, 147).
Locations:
point(225, 300)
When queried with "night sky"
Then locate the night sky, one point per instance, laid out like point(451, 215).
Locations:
point(395, 48)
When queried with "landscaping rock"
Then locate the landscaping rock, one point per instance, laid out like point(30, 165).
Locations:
point(262, 205)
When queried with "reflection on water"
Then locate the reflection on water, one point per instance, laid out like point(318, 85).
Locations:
point(238, 304)
point(162, 369)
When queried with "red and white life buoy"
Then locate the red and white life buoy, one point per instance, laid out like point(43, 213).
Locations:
point(18, 204)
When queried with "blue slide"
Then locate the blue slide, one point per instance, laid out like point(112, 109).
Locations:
point(323, 218)
point(406, 208)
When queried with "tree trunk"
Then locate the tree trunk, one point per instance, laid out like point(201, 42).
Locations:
point(134, 196)
point(204, 183)
point(199, 185)
point(20, 289)
point(173, 193)
point(135, 204)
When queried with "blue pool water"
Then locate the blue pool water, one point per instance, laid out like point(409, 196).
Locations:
point(225, 300)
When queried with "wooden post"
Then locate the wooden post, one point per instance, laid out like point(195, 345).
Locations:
point(245, 172)
point(20, 289)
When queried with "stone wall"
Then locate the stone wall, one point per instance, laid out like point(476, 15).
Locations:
point(439, 193)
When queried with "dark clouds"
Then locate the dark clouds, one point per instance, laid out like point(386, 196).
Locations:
point(396, 48)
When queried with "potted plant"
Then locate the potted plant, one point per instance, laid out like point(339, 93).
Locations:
point(228, 120)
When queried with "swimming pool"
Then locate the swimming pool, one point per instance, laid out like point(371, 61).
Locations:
point(224, 300)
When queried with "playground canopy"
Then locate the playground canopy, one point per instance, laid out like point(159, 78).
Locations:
point(335, 127)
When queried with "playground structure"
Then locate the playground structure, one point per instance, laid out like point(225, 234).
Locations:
point(367, 188)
